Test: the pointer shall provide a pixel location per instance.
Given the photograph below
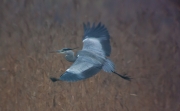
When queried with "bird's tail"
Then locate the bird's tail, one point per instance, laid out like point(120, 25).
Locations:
point(108, 66)
point(123, 76)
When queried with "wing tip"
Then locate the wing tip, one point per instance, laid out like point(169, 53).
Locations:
point(53, 79)
point(95, 30)
point(93, 26)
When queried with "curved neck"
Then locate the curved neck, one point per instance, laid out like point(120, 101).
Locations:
point(69, 55)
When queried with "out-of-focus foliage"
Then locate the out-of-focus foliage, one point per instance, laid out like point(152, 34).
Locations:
point(145, 45)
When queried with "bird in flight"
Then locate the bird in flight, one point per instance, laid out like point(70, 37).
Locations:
point(92, 58)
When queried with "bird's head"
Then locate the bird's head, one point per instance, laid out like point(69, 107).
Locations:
point(63, 50)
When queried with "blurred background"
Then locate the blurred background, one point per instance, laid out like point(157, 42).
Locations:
point(145, 44)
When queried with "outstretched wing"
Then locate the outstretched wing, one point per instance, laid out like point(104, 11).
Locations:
point(84, 67)
point(96, 39)
point(96, 45)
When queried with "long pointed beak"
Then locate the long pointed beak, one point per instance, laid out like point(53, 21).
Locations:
point(58, 51)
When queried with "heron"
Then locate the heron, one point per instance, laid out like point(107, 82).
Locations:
point(93, 57)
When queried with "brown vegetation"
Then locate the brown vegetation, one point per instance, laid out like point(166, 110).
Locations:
point(145, 45)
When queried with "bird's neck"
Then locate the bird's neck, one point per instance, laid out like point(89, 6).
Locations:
point(70, 56)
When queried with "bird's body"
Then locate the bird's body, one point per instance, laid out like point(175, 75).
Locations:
point(92, 58)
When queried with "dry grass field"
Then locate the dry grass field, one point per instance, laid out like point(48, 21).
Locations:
point(145, 44)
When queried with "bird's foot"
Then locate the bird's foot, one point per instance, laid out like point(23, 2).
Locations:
point(125, 76)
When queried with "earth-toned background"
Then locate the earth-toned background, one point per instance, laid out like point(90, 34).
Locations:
point(145, 44)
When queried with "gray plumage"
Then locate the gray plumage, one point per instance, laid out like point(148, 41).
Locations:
point(92, 58)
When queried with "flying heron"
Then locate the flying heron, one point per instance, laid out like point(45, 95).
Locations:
point(92, 58)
